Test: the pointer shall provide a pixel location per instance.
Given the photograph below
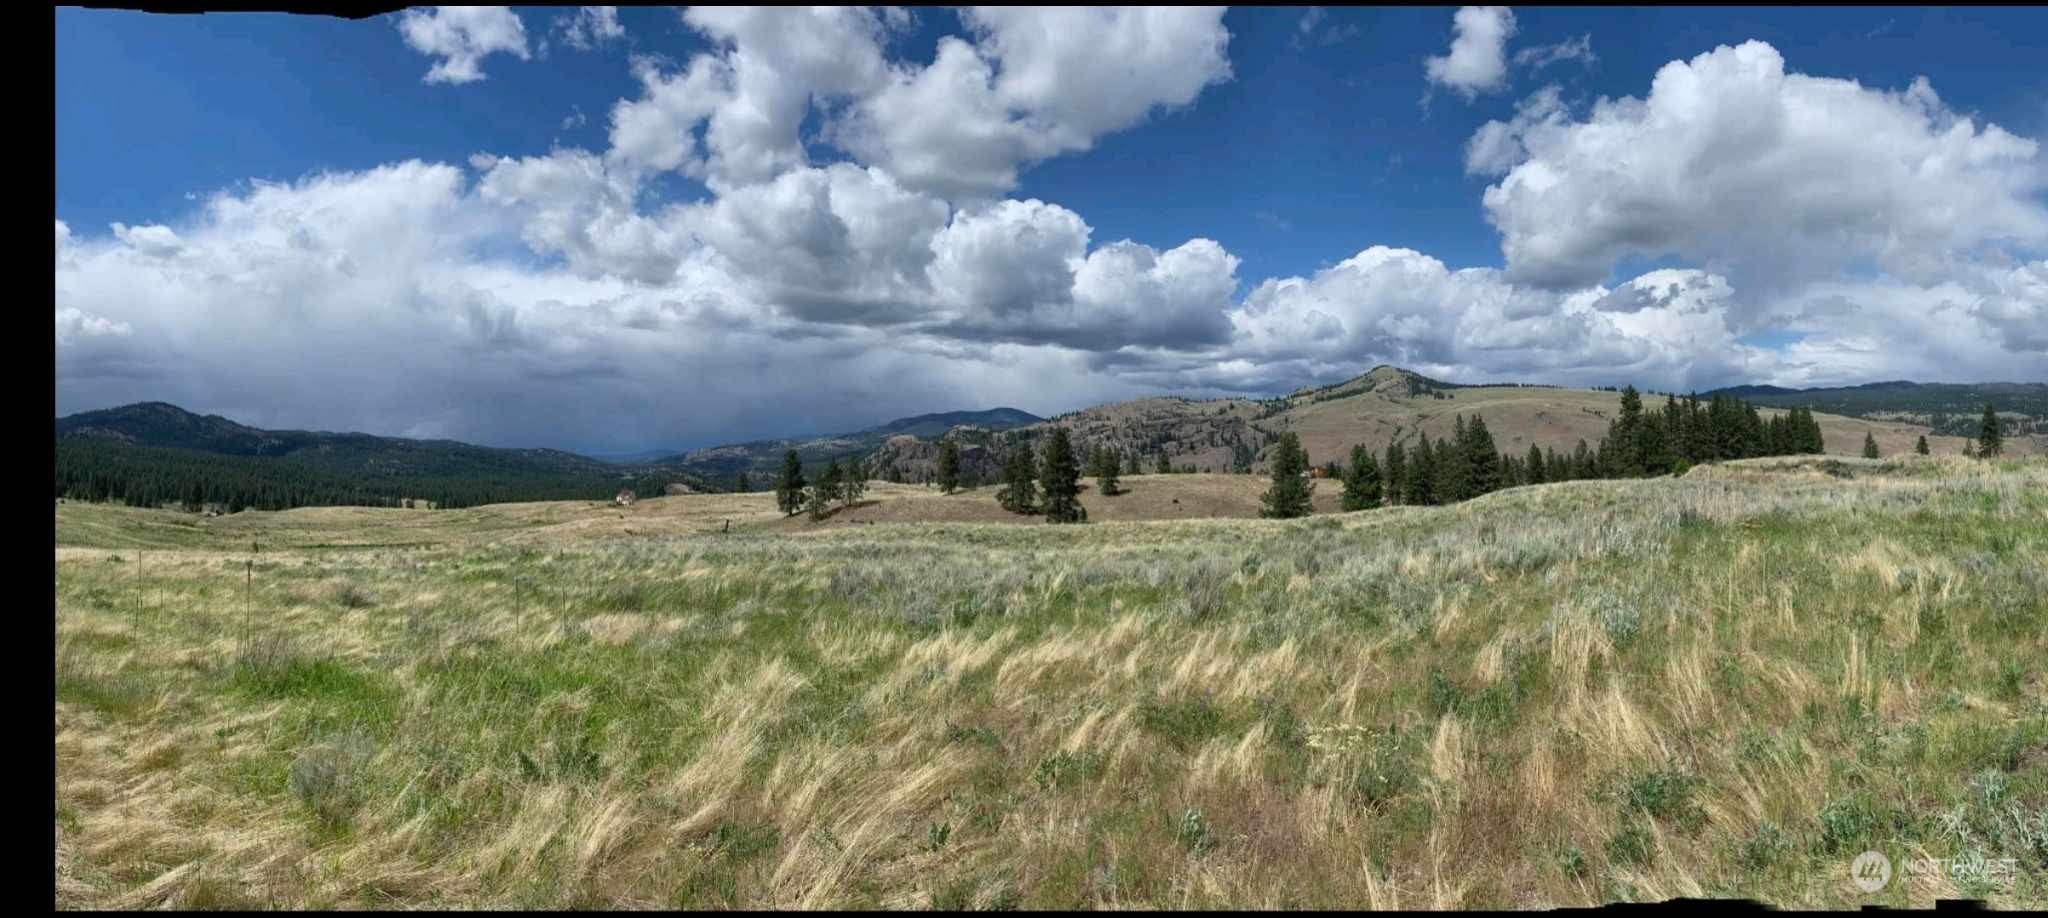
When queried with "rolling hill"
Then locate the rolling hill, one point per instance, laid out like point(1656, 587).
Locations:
point(1388, 404)
point(168, 448)
point(762, 458)
point(165, 426)
point(153, 452)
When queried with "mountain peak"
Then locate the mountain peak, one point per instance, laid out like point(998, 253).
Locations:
point(1385, 379)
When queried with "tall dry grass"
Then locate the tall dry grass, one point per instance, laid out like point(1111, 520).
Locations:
point(1726, 684)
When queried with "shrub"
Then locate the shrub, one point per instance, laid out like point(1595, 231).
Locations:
point(1572, 861)
point(326, 779)
point(1764, 847)
point(1666, 796)
point(1619, 618)
point(1193, 832)
point(1185, 724)
point(1630, 846)
point(1391, 766)
point(350, 596)
point(1847, 824)
point(1064, 769)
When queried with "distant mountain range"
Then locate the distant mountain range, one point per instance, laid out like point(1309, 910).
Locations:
point(165, 426)
point(171, 449)
point(153, 452)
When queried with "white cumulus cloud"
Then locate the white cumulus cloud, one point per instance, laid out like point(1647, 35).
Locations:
point(1476, 62)
point(462, 36)
point(590, 27)
point(535, 298)
point(1767, 176)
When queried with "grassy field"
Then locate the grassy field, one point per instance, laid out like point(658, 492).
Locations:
point(1142, 497)
point(1726, 684)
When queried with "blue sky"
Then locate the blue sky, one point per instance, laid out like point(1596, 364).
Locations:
point(1308, 143)
point(1326, 140)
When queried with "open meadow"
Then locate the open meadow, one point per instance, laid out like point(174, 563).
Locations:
point(1723, 684)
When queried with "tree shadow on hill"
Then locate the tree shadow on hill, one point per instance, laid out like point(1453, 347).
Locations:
point(832, 512)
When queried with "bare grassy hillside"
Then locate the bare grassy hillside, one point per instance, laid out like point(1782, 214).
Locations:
point(1549, 418)
point(1383, 406)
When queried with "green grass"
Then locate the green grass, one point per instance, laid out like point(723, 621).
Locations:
point(1725, 684)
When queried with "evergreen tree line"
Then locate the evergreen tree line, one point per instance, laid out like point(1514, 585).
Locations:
point(1468, 463)
point(844, 484)
point(1684, 432)
point(1052, 486)
point(104, 471)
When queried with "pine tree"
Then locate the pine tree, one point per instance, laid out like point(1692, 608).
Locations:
point(1421, 490)
point(1020, 491)
point(1532, 467)
point(1290, 493)
point(1808, 433)
point(1778, 436)
point(1395, 471)
point(740, 484)
point(1653, 444)
point(1724, 424)
point(1752, 432)
point(1482, 459)
point(1060, 479)
point(825, 491)
point(949, 465)
point(1624, 453)
point(1106, 472)
point(855, 485)
point(1453, 465)
point(789, 487)
point(1869, 445)
point(1361, 481)
point(1165, 467)
point(1921, 446)
point(1673, 421)
point(1990, 436)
